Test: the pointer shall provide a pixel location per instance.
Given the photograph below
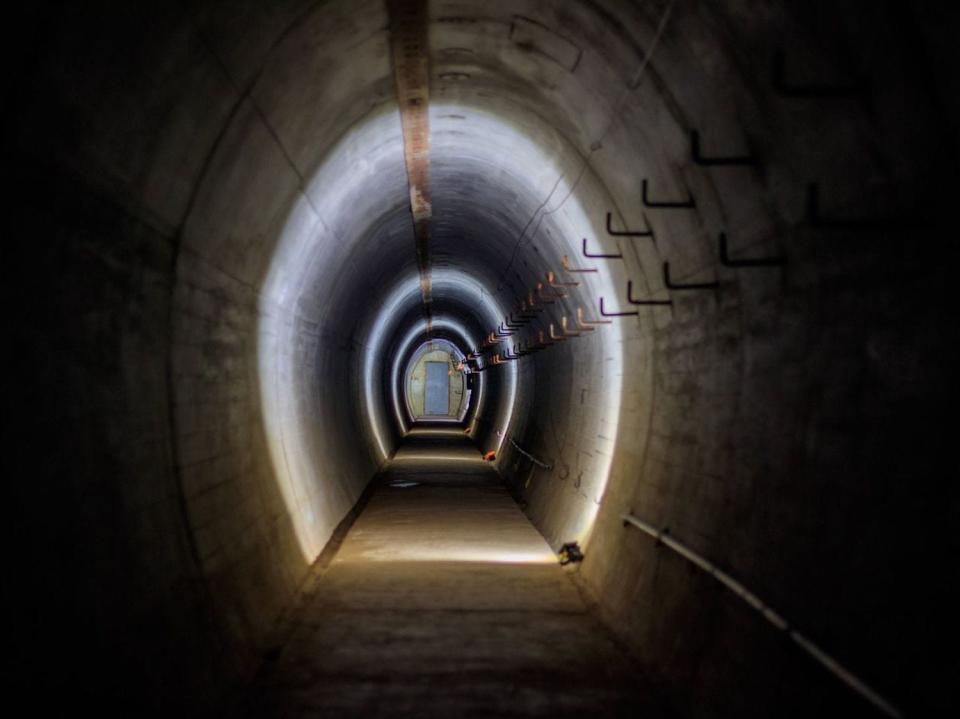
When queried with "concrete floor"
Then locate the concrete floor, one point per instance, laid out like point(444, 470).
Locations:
point(444, 601)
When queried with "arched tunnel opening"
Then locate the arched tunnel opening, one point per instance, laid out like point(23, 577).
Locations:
point(408, 358)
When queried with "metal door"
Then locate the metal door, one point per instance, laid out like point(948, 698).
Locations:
point(436, 389)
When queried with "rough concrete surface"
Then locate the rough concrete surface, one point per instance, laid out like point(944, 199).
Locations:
point(211, 277)
point(443, 600)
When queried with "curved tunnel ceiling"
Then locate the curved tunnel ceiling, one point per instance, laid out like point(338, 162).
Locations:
point(508, 193)
point(754, 194)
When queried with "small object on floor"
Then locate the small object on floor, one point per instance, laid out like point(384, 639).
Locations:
point(403, 484)
point(569, 553)
point(466, 430)
point(490, 456)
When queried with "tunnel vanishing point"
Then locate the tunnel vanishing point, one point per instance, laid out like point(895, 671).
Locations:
point(555, 358)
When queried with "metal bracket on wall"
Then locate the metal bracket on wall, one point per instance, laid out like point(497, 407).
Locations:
point(528, 308)
point(552, 281)
point(699, 158)
point(543, 300)
point(541, 343)
point(671, 285)
point(563, 328)
point(632, 301)
point(628, 233)
point(601, 256)
point(585, 324)
point(747, 262)
point(687, 204)
point(565, 262)
point(604, 313)
point(857, 88)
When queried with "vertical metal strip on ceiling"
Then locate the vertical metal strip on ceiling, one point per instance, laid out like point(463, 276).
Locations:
point(411, 71)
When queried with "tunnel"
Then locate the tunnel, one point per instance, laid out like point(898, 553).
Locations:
point(436, 358)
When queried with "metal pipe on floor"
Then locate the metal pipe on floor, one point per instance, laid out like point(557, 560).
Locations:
point(827, 661)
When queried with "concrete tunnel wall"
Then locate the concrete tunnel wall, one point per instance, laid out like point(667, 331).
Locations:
point(217, 201)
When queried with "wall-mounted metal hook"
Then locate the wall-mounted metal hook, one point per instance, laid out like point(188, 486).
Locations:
point(533, 304)
point(580, 326)
point(551, 280)
point(685, 286)
point(529, 309)
point(601, 256)
point(628, 233)
point(584, 323)
point(528, 349)
point(810, 90)
point(687, 204)
point(542, 343)
point(747, 262)
point(554, 336)
point(565, 262)
point(699, 159)
point(814, 219)
point(544, 300)
point(632, 301)
point(563, 328)
point(604, 313)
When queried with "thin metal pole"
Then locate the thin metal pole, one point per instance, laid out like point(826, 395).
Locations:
point(831, 664)
point(526, 454)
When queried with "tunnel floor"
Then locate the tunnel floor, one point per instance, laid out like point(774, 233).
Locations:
point(443, 600)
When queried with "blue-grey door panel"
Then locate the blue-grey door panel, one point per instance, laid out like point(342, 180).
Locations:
point(436, 389)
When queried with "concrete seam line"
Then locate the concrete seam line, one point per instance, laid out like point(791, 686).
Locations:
point(827, 661)
point(409, 50)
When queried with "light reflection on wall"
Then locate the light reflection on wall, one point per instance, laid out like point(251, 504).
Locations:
point(445, 281)
point(307, 255)
point(354, 166)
